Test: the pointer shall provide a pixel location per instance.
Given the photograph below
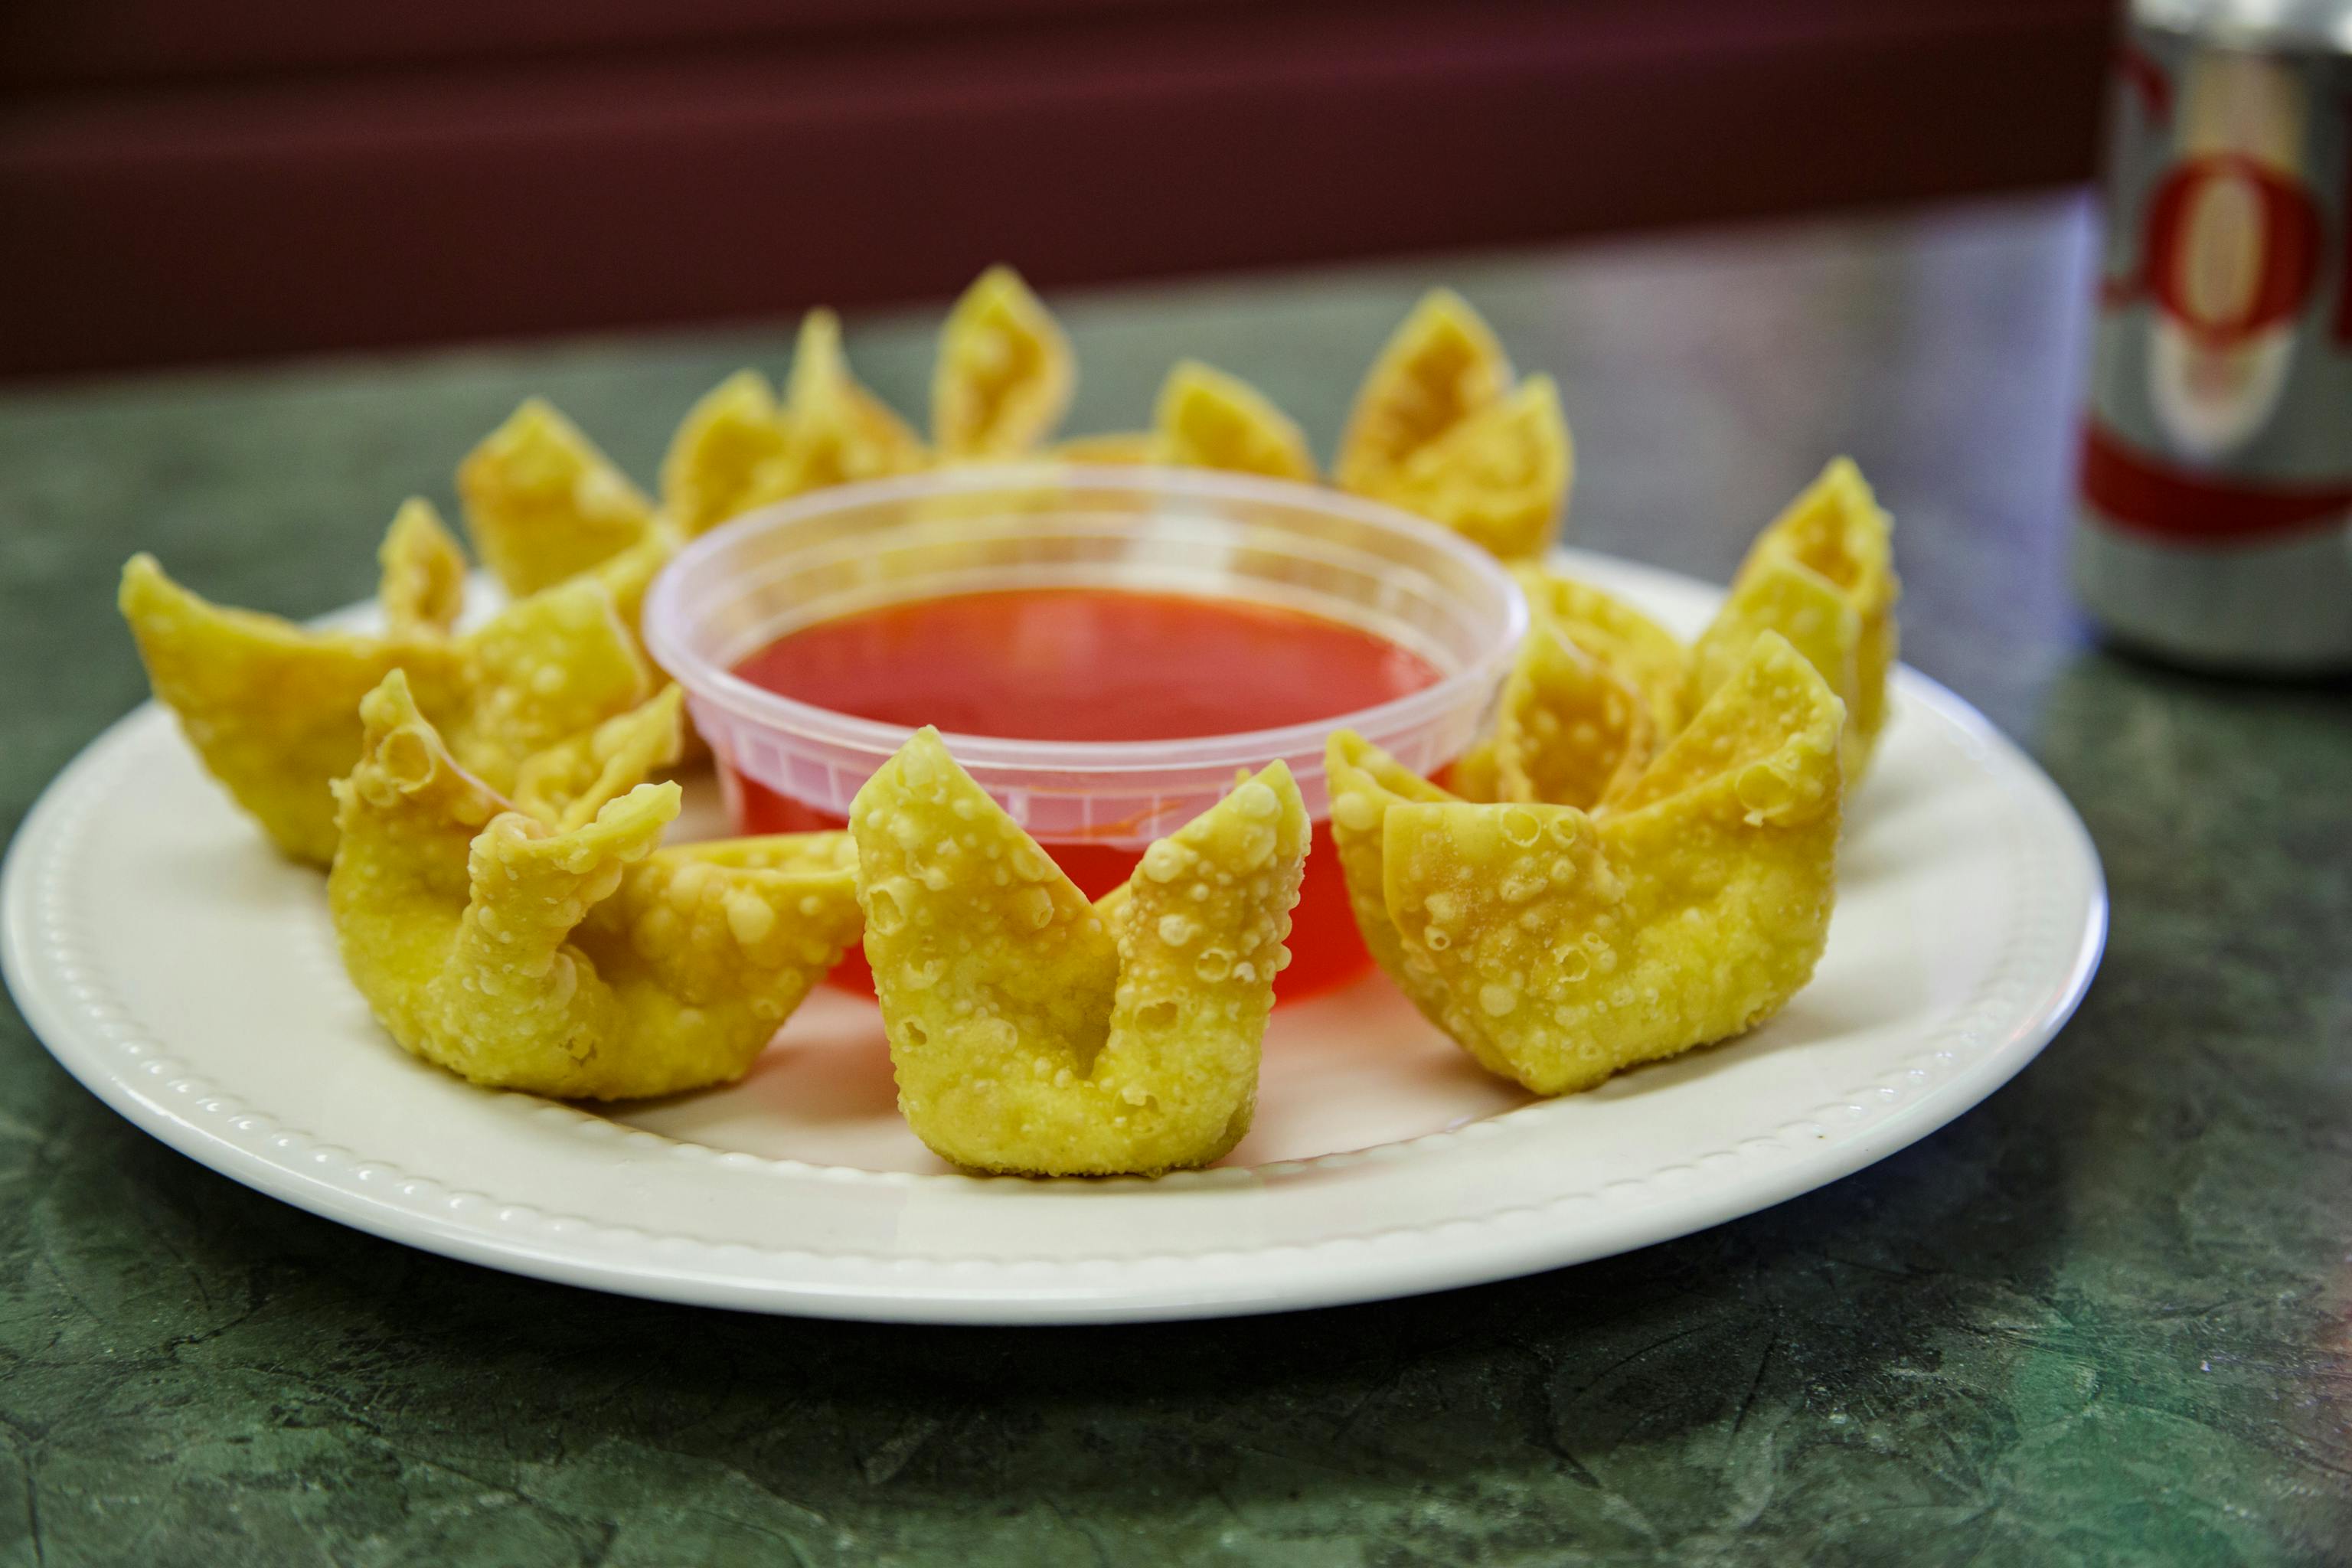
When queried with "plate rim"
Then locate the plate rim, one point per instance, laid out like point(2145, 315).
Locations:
point(68, 1028)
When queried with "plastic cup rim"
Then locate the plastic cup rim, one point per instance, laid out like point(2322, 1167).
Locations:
point(706, 681)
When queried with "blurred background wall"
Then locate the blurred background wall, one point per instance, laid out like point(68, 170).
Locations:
point(191, 180)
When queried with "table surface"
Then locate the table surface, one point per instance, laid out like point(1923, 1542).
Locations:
point(2103, 1318)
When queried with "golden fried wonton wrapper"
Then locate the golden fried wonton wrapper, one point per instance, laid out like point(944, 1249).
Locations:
point(1500, 478)
point(272, 708)
point(1833, 542)
point(1035, 1032)
point(576, 961)
point(1442, 365)
point(1005, 373)
point(1559, 946)
point(1569, 731)
point(726, 456)
point(1207, 419)
point(1647, 656)
point(566, 784)
point(421, 582)
point(538, 673)
point(626, 576)
point(1561, 716)
point(543, 504)
point(836, 430)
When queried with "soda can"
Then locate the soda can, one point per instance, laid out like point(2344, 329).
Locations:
point(2216, 519)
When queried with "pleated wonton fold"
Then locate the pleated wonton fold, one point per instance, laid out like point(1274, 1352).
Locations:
point(567, 953)
point(1823, 575)
point(1440, 429)
point(272, 708)
point(1033, 1032)
point(1558, 945)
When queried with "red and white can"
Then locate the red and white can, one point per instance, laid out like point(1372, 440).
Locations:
point(2216, 523)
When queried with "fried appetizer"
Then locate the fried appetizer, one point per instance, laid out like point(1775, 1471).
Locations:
point(571, 957)
point(1500, 478)
point(1442, 365)
point(1440, 430)
point(1565, 731)
point(1035, 1032)
point(1569, 730)
point(272, 707)
point(421, 582)
point(836, 430)
point(1649, 658)
point(726, 456)
point(626, 576)
point(543, 504)
point(1206, 419)
point(1559, 946)
point(1823, 575)
point(1005, 373)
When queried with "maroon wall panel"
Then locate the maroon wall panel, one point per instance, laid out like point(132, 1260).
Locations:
point(288, 211)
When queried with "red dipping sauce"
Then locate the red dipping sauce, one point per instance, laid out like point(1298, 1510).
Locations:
point(1096, 664)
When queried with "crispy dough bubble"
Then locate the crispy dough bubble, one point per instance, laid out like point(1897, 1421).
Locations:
point(1005, 373)
point(1559, 946)
point(1034, 1033)
point(1821, 575)
point(543, 504)
point(571, 958)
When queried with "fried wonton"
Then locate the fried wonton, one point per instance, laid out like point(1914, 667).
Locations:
point(543, 504)
point(1005, 373)
point(1647, 656)
point(726, 457)
point(838, 431)
point(1442, 365)
point(566, 784)
point(574, 958)
point(1205, 419)
point(1597, 687)
point(1559, 946)
point(1822, 575)
point(422, 573)
point(1439, 431)
point(1500, 478)
point(1569, 730)
point(626, 576)
point(1208, 419)
point(272, 707)
point(1035, 1032)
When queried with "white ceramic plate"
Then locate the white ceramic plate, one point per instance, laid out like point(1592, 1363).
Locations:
point(188, 977)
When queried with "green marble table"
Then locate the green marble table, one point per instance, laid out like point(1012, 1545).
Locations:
point(2101, 1318)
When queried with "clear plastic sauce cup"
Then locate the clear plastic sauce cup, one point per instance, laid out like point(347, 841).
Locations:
point(788, 765)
